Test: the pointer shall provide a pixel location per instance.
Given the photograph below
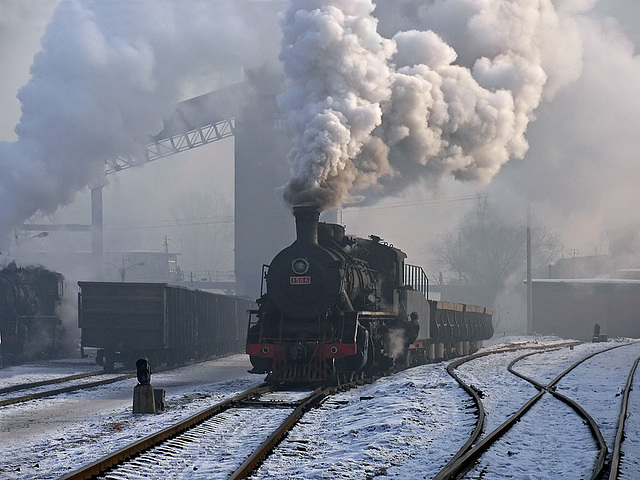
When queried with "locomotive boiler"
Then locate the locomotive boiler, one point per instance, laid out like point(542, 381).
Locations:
point(29, 325)
point(338, 307)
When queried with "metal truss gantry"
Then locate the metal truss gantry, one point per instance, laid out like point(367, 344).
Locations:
point(164, 147)
point(196, 122)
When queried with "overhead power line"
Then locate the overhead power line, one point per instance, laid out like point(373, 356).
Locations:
point(415, 203)
point(229, 219)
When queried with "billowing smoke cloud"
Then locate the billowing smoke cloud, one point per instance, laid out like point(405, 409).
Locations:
point(372, 115)
point(582, 168)
point(338, 76)
point(107, 74)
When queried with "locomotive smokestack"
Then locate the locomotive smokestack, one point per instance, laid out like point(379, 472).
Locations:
point(307, 215)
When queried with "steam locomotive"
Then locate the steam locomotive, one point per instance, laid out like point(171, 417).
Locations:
point(29, 325)
point(338, 307)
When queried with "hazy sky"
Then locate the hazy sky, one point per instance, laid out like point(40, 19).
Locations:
point(577, 160)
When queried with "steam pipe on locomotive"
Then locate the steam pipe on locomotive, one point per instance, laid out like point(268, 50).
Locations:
point(338, 306)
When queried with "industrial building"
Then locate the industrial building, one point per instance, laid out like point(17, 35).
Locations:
point(585, 293)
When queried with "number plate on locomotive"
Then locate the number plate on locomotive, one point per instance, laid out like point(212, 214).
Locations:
point(306, 280)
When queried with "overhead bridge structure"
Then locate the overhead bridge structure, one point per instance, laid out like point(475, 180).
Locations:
point(196, 122)
point(249, 113)
point(163, 147)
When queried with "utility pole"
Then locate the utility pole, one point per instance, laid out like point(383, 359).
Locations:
point(166, 254)
point(529, 284)
point(97, 227)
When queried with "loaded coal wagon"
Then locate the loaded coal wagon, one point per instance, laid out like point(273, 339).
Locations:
point(161, 322)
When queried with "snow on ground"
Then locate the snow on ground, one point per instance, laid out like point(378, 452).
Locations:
point(405, 426)
point(550, 441)
point(502, 392)
point(598, 385)
point(215, 448)
point(46, 438)
point(37, 371)
point(392, 428)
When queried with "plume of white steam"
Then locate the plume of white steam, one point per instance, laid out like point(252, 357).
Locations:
point(372, 115)
point(338, 75)
point(107, 74)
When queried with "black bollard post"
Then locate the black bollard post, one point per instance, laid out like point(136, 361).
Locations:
point(143, 396)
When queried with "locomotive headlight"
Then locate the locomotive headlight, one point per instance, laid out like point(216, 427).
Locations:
point(300, 266)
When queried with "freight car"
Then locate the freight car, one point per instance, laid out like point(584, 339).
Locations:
point(29, 325)
point(338, 307)
point(164, 323)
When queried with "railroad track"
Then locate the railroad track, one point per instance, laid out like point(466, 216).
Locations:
point(470, 454)
point(73, 383)
point(617, 455)
point(43, 383)
point(229, 455)
point(208, 443)
point(451, 469)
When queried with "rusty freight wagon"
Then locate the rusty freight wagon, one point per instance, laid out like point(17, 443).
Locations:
point(161, 322)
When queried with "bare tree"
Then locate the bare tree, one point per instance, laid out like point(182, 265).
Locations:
point(204, 234)
point(487, 248)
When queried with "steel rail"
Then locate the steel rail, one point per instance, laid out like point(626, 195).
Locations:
point(50, 393)
point(475, 395)
point(593, 426)
point(449, 470)
point(266, 447)
point(595, 431)
point(109, 461)
point(465, 462)
point(617, 445)
point(71, 388)
point(53, 381)
point(313, 400)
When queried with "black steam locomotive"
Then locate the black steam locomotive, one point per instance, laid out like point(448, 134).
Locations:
point(29, 326)
point(337, 307)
